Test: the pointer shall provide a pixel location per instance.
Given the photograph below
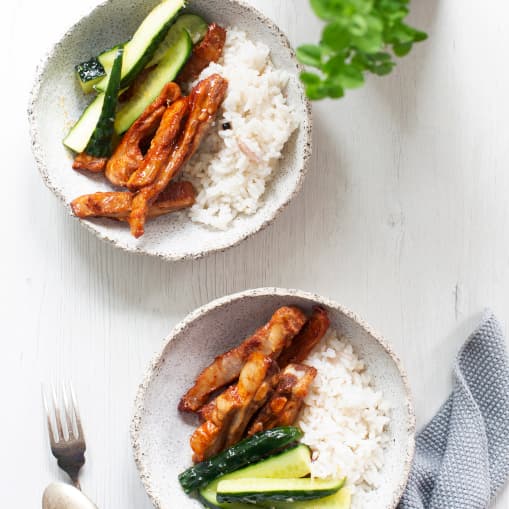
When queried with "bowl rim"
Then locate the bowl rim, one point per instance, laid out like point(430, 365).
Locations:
point(38, 152)
point(181, 326)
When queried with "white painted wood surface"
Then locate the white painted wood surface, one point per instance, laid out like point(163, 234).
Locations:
point(403, 218)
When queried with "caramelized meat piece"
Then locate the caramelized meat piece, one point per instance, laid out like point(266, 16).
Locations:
point(284, 405)
point(204, 102)
point(307, 338)
point(244, 414)
point(128, 156)
point(208, 50)
point(161, 146)
point(177, 196)
point(90, 163)
point(270, 340)
point(232, 409)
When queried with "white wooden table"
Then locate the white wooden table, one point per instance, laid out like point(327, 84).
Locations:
point(403, 218)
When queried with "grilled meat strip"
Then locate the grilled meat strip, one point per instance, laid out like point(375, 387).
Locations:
point(204, 100)
point(310, 335)
point(231, 411)
point(128, 155)
point(161, 146)
point(87, 162)
point(117, 205)
point(208, 50)
point(270, 340)
point(285, 403)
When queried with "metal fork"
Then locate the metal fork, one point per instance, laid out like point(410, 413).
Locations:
point(66, 436)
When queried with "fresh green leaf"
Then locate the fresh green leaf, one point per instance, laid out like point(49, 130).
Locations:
point(360, 36)
point(309, 78)
point(310, 54)
point(335, 37)
point(402, 49)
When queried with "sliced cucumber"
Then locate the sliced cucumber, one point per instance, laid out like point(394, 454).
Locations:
point(89, 73)
point(195, 26)
point(81, 132)
point(93, 131)
point(141, 48)
point(253, 491)
point(175, 57)
point(246, 452)
point(108, 57)
point(294, 462)
point(340, 500)
point(100, 143)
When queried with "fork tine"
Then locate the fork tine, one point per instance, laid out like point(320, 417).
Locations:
point(68, 415)
point(76, 412)
point(58, 418)
point(51, 430)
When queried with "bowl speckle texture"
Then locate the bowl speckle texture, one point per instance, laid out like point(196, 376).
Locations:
point(160, 434)
point(57, 101)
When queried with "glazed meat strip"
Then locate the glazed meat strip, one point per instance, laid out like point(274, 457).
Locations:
point(244, 414)
point(215, 433)
point(128, 155)
point(269, 340)
point(208, 50)
point(204, 102)
point(161, 146)
point(117, 205)
point(285, 403)
point(310, 335)
point(87, 162)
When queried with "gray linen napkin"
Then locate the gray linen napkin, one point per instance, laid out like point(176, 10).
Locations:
point(462, 455)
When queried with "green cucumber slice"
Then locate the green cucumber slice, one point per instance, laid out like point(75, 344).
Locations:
point(195, 26)
point(256, 490)
point(94, 130)
point(246, 452)
point(81, 132)
point(100, 143)
point(167, 69)
point(89, 73)
point(141, 48)
point(294, 462)
point(107, 58)
point(340, 500)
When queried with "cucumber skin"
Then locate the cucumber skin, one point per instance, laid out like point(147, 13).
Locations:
point(340, 500)
point(199, 29)
point(147, 55)
point(281, 495)
point(249, 450)
point(100, 143)
point(89, 73)
point(133, 108)
point(207, 495)
point(275, 496)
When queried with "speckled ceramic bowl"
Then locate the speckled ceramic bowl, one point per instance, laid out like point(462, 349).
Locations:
point(57, 102)
point(160, 435)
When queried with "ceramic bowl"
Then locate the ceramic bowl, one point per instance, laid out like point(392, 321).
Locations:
point(160, 434)
point(57, 101)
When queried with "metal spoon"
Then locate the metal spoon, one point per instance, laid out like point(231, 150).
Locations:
point(63, 496)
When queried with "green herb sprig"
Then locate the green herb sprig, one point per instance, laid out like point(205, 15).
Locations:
point(359, 36)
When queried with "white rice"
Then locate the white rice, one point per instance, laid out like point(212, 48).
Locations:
point(232, 167)
point(344, 419)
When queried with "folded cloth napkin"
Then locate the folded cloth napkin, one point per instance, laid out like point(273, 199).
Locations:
point(462, 455)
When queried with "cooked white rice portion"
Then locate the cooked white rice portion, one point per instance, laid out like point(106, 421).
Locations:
point(233, 166)
point(344, 419)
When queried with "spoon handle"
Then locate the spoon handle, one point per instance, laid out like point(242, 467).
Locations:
point(64, 496)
